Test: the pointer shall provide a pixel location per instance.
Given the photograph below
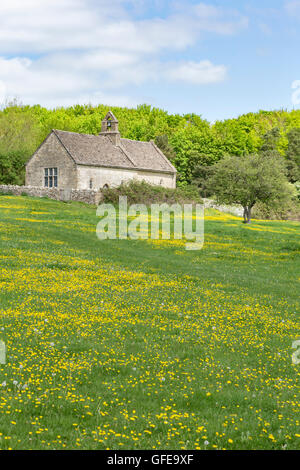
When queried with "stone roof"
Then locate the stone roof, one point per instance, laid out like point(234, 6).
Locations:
point(99, 150)
point(87, 149)
point(146, 155)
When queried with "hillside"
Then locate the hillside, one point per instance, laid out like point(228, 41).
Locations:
point(141, 344)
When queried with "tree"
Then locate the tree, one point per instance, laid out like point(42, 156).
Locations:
point(12, 168)
point(270, 140)
point(201, 175)
point(19, 138)
point(193, 145)
point(196, 143)
point(293, 155)
point(162, 142)
point(249, 179)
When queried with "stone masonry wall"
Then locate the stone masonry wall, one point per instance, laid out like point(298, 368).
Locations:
point(86, 196)
point(113, 177)
point(89, 196)
point(235, 210)
point(51, 155)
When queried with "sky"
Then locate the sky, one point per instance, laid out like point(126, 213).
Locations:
point(215, 58)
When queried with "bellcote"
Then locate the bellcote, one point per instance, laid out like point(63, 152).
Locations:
point(110, 128)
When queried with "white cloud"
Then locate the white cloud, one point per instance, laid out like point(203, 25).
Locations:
point(56, 51)
point(200, 73)
point(296, 93)
point(37, 82)
point(24, 76)
point(63, 80)
point(265, 28)
point(2, 92)
point(218, 20)
point(35, 26)
point(293, 8)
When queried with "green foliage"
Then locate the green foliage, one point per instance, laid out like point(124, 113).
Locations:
point(189, 141)
point(162, 141)
point(19, 137)
point(12, 168)
point(193, 145)
point(250, 179)
point(289, 211)
point(293, 155)
point(201, 175)
point(140, 192)
point(270, 140)
point(297, 188)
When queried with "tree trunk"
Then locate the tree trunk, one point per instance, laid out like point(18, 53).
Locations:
point(247, 214)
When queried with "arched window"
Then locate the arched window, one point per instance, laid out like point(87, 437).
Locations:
point(105, 186)
point(91, 183)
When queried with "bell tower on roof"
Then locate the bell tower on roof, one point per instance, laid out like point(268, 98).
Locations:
point(110, 128)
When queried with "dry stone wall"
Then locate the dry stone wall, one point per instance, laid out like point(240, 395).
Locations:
point(236, 210)
point(86, 196)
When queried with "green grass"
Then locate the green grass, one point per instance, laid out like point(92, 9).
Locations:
point(136, 344)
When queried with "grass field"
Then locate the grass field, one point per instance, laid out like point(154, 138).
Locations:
point(144, 345)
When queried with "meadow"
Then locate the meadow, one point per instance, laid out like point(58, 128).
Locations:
point(142, 344)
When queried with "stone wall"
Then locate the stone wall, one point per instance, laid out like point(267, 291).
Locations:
point(51, 155)
point(86, 196)
point(89, 196)
point(236, 210)
point(113, 177)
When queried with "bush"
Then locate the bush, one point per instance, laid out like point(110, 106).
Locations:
point(297, 186)
point(201, 175)
point(251, 179)
point(140, 192)
point(289, 212)
point(12, 169)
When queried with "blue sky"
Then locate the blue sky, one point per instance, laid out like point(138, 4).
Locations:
point(214, 58)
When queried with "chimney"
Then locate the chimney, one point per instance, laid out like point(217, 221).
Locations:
point(110, 128)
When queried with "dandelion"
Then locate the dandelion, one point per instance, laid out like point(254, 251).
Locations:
point(80, 322)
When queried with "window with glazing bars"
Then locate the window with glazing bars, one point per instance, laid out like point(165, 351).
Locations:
point(51, 177)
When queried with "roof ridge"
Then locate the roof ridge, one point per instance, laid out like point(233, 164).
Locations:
point(78, 133)
point(97, 135)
